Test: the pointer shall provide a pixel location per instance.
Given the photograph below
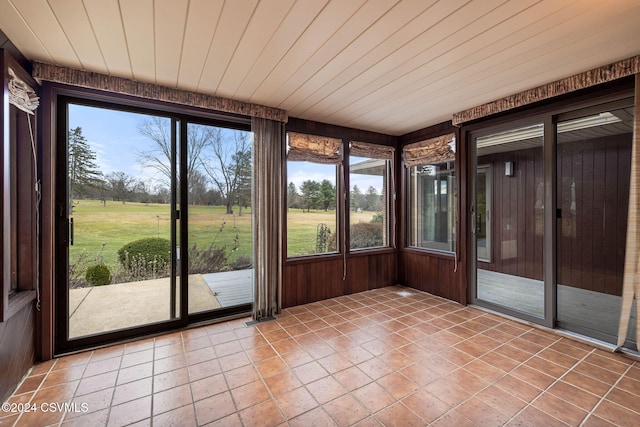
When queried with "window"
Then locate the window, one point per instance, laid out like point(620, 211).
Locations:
point(369, 175)
point(312, 194)
point(19, 194)
point(431, 191)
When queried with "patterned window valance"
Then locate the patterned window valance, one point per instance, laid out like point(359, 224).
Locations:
point(313, 148)
point(372, 151)
point(90, 80)
point(21, 94)
point(607, 73)
point(431, 151)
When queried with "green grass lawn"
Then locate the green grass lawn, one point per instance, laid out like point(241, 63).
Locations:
point(101, 230)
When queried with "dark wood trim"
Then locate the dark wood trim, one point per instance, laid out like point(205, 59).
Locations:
point(436, 130)
point(347, 134)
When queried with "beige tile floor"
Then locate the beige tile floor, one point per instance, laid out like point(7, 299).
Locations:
point(369, 359)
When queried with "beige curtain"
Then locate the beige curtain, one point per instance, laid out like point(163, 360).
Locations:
point(268, 154)
point(631, 279)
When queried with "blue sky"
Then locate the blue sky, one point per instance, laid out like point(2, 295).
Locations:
point(114, 136)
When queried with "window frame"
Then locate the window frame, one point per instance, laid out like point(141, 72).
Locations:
point(18, 203)
point(406, 185)
point(390, 229)
point(340, 208)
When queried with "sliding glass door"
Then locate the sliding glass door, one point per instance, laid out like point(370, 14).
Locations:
point(549, 218)
point(508, 222)
point(118, 221)
point(220, 251)
point(141, 199)
point(594, 165)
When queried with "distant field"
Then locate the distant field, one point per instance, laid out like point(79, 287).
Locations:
point(100, 231)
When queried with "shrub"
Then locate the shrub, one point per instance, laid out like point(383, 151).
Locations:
point(210, 260)
point(363, 235)
point(378, 218)
point(98, 275)
point(241, 263)
point(152, 254)
point(366, 235)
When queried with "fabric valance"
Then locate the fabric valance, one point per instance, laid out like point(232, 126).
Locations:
point(431, 151)
point(606, 73)
point(90, 80)
point(372, 151)
point(313, 148)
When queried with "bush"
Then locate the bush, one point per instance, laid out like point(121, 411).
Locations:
point(152, 254)
point(98, 275)
point(378, 218)
point(363, 235)
point(210, 260)
point(241, 263)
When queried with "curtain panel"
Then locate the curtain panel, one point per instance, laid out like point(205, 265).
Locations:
point(631, 279)
point(268, 202)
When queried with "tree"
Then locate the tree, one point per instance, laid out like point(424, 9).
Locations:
point(327, 194)
point(243, 188)
point(84, 175)
point(197, 188)
point(357, 198)
point(122, 185)
point(228, 163)
point(310, 194)
point(293, 198)
point(372, 200)
point(158, 130)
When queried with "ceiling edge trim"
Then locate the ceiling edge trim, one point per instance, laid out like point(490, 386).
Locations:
point(91, 80)
point(596, 76)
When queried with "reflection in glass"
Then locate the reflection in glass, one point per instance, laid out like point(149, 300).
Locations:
point(432, 196)
point(509, 223)
point(594, 161)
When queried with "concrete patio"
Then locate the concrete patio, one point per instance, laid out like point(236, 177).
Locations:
point(99, 309)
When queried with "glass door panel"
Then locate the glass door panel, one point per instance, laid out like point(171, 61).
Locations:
point(120, 248)
point(593, 164)
point(509, 221)
point(220, 237)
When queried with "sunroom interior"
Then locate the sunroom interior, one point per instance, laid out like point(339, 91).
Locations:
point(320, 213)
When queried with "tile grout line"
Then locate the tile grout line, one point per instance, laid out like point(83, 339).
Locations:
point(604, 396)
point(530, 403)
point(494, 382)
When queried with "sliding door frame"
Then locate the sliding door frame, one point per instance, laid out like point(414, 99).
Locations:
point(60, 96)
point(549, 114)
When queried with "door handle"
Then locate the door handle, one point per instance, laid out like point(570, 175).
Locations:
point(473, 218)
point(71, 231)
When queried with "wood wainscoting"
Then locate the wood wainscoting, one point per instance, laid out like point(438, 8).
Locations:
point(313, 279)
point(433, 273)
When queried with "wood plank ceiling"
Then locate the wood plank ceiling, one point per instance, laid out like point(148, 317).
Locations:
point(392, 66)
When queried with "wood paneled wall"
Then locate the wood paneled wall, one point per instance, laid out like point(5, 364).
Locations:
point(316, 279)
point(17, 349)
point(593, 193)
point(431, 273)
point(516, 214)
point(592, 235)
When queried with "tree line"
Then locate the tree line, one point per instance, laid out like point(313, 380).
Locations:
point(218, 168)
point(322, 196)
